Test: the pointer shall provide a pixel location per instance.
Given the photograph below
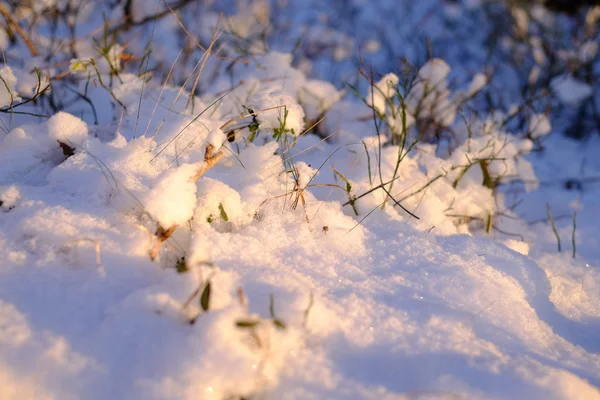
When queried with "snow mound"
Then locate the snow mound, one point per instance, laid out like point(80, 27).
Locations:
point(372, 265)
point(570, 90)
point(172, 199)
point(67, 128)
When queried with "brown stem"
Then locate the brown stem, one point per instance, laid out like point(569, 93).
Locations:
point(17, 28)
point(210, 160)
point(161, 236)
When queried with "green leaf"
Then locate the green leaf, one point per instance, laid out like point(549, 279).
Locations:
point(278, 132)
point(368, 162)
point(247, 323)
point(348, 184)
point(488, 224)
point(487, 178)
point(181, 266)
point(272, 306)
point(253, 128)
point(205, 298)
point(224, 216)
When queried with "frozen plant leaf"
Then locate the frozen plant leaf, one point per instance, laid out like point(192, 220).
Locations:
point(272, 306)
point(181, 266)
point(342, 177)
point(224, 216)
point(78, 66)
point(67, 150)
point(247, 323)
point(205, 298)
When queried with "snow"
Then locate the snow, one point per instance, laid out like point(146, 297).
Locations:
point(479, 81)
point(430, 97)
point(519, 247)
point(9, 197)
point(172, 199)
point(570, 90)
point(316, 97)
point(273, 107)
point(7, 90)
point(588, 51)
point(382, 91)
point(539, 125)
point(67, 128)
point(435, 71)
point(283, 270)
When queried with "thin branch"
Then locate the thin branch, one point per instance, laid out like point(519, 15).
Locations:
point(20, 31)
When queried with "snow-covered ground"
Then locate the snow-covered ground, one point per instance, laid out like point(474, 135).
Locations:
point(277, 236)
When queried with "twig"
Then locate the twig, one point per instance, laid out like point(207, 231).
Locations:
point(20, 31)
point(161, 236)
point(210, 159)
point(129, 23)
